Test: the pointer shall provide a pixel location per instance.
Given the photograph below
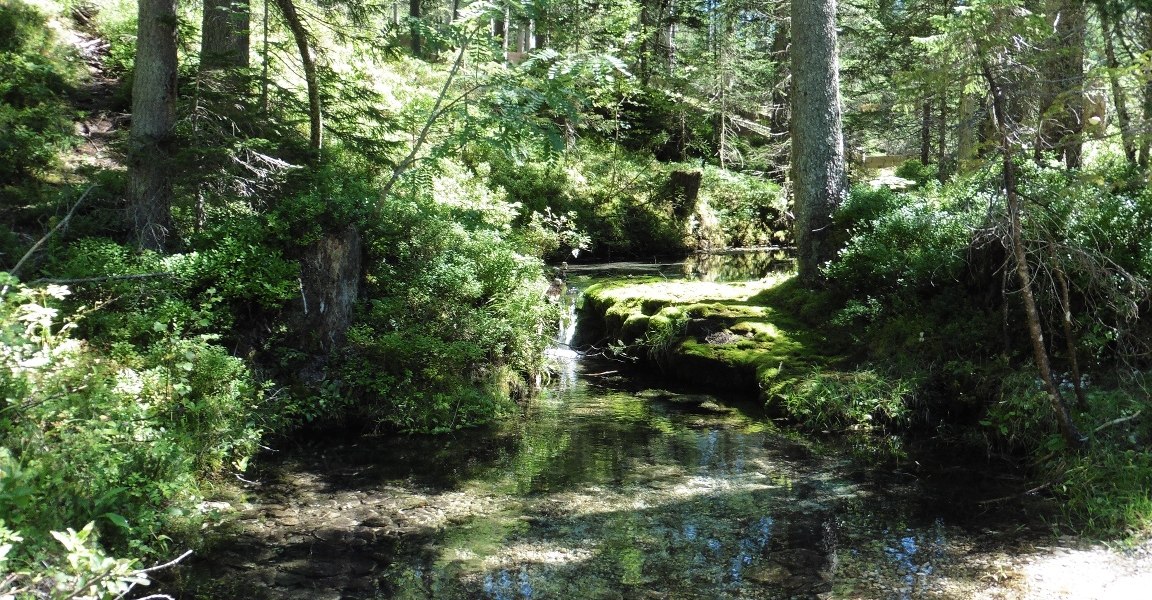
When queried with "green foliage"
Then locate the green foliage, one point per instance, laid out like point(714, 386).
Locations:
point(456, 312)
point(628, 204)
point(856, 400)
point(125, 440)
point(904, 242)
point(1106, 488)
point(664, 331)
point(195, 292)
point(1015, 418)
point(35, 75)
point(748, 210)
point(914, 170)
point(671, 131)
point(338, 192)
point(84, 572)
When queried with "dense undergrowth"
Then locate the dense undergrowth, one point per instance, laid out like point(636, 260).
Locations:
point(944, 310)
point(136, 384)
point(918, 329)
point(629, 205)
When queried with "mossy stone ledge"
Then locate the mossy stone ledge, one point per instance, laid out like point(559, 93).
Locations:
point(745, 335)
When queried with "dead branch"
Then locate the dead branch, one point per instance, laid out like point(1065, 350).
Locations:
point(1117, 421)
point(16, 269)
point(101, 279)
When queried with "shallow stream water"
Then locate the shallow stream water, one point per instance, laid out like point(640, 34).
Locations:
point(610, 485)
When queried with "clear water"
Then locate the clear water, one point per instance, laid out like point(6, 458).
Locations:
point(612, 486)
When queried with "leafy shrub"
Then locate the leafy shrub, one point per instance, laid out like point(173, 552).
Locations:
point(856, 400)
point(123, 441)
point(914, 170)
point(750, 211)
point(190, 293)
point(34, 77)
point(905, 242)
point(630, 205)
point(456, 315)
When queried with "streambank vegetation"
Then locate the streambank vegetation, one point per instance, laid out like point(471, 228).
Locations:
point(225, 223)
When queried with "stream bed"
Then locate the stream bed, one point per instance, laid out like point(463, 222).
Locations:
point(609, 485)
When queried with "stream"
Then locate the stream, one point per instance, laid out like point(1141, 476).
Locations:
point(613, 485)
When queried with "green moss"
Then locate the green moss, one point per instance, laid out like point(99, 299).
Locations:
point(767, 336)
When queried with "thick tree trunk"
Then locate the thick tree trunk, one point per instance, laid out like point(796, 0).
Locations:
point(966, 128)
point(414, 11)
point(311, 80)
point(330, 272)
point(225, 38)
point(1023, 269)
point(1119, 97)
point(153, 123)
point(1062, 97)
point(1146, 143)
point(817, 139)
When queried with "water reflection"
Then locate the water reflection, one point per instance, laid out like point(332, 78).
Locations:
point(598, 490)
point(718, 267)
point(738, 266)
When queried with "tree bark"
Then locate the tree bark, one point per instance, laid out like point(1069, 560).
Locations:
point(225, 37)
point(311, 80)
point(817, 138)
point(1146, 144)
point(926, 131)
point(1119, 97)
point(942, 138)
point(153, 124)
point(1023, 269)
point(414, 11)
point(1062, 96)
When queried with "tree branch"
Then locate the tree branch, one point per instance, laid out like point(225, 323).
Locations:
point(422, 137)
point(104, 278)
point(16, 269)
point(1117, 421)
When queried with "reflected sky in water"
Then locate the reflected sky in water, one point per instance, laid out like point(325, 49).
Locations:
point(598, 490)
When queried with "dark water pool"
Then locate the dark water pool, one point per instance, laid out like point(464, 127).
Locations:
point(612, 486)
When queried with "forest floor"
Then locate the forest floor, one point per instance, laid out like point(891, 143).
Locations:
point(1069, 570)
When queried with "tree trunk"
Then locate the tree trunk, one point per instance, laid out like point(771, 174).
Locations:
point(942, 138)
point(1023, 269)
point(926, 131)
point(1146, 144)
point(966, 128)
point(1119, 97)
point(414, 11)
point(505, 31)
point(153, 124)
point(1062, 97)
point(311, 80)
point(330, 272)
point(817, 138)
point(224, 41)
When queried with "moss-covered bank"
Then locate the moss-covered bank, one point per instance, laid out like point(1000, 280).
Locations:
point(763, 336)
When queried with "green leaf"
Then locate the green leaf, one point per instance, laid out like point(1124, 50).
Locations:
point(118, 521)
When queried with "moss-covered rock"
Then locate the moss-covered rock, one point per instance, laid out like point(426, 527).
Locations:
point(767, 336)
point(726, 335)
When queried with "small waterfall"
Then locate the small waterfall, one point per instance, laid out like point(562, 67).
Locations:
point(563, 357)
